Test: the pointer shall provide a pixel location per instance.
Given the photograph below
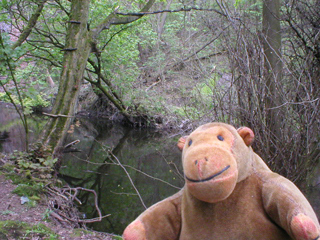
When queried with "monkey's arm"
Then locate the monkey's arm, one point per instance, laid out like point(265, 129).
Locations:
point(160, 221)
point(287, 206)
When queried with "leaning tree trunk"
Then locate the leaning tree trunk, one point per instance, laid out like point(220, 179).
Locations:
point(79, 41)
point(76, 53)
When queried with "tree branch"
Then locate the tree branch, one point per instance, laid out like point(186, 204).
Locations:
point(204, 46)
point(32, 22)
point(171, 11)
point(113, 19)
point(182, 61)
point(128, 175)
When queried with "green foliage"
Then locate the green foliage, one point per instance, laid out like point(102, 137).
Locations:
point(207, 88)
point(28, 183)
point(33, 74)
point(34, 171)
point(34, 164)
point(46, 215)
point(30, 101)
point(32, 86)
point(8, 54)
point(237, 3)
point(251, 8)
point(35, 101)
point(120, 58)
point(7, 167)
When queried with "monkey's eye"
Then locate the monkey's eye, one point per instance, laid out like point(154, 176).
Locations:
point(190, 142)
point(220, 138)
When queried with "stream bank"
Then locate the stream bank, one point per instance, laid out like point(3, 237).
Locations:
point(33, 220)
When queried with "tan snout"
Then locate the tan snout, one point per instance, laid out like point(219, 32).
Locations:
point(210, 172)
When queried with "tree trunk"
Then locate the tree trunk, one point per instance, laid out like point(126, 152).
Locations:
point(79, 41)
point(76, 53)
point(273, 64)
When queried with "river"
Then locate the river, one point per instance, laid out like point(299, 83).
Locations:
point(144, 166)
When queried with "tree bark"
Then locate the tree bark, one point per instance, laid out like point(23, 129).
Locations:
point(162, 20)
point(273, 63)
point(76, 53)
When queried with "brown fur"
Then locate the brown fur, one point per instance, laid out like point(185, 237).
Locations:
point(230, 193)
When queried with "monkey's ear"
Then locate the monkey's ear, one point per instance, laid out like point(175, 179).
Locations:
point(181, 142)
point(247, 135)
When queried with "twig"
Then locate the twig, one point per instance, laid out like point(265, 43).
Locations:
point(72, 196)
point(125, 170)
point(293, 103)
point(56, 115)
point(72, 143)
point(175, 166)
point(154, 178)
point(57, 216)
point(95, 199)
point(56, 192)
point(128, 166)
point(98, 219)
point(122, 193)
point(153, 84)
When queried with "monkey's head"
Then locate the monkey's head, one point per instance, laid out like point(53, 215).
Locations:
point(215, 157)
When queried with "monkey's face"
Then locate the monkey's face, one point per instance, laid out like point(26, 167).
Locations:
point(210, 167)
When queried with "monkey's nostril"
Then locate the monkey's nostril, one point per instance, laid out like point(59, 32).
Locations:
point(206, 159)
point(196, 162)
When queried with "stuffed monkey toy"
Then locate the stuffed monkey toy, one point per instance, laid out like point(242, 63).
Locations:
point(229, 194)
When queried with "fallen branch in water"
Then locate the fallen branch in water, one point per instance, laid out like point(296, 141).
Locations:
point(56, 115)
point(72, 144)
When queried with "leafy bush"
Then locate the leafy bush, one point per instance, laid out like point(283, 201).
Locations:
point(34, 164)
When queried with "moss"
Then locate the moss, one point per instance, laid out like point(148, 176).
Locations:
point(22, 230)
point(17, 179)
point(12, 228)
point(78, 232)
point(117, 237)
point(29, 190)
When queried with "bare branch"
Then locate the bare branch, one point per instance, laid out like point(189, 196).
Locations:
point(113, 19)
point(128, 175)
point(70, 194)
point(32, 22)
point(293, 103)
point(56, 115)
point(171, 11)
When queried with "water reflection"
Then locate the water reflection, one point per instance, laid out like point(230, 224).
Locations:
point(151, 160)
point(12, 133)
